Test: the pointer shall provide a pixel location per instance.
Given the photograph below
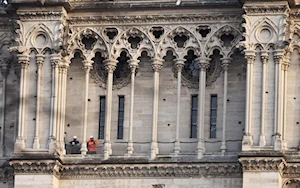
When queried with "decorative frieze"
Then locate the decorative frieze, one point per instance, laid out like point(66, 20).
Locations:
point(262, 164)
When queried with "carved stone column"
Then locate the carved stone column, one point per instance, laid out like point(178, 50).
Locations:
point(87, 65)
point(178, 65)
point(203, 64)
point(63, 69)
point(133, 64)
point(156, 66)
point(110, 66)
point(4, 71)
point(40, 61)
point(225, 64)
point(262, 137)
point(247, 139)
point(277, 136)
point(286, 66)
point(20, 141)
point(54, 103)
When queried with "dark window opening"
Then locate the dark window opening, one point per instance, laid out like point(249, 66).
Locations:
point(102, 117)
point(194, 116)
point(121, 117)
point(213, 116)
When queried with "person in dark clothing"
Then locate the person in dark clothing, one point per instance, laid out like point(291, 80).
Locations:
point(74, 141)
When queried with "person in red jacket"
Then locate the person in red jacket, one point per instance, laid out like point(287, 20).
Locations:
point(91, 145)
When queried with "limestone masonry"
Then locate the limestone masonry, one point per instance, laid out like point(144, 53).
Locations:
point(175, 93)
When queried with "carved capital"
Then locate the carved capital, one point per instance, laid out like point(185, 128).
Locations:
point(157, 64)
point(40, 60)
point(133, 64)
point(4, 69)
point(179, 64)
point(110, 65)
point(262, 164)
point(63, 68)
point(203, 63)
point(54, 59)
point(87, 65)
point(264, 57)
point(23, 60)
point(250, 56)
point(279, 56)
point(225, 63)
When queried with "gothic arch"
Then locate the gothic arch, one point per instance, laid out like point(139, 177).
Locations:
point(97, 44)
point(135, 48)
point(291, 183)
point(168, 43)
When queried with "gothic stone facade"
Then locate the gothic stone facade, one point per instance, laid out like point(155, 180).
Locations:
point(178, 94)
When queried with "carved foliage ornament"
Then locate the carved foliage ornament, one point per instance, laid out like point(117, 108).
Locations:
point(262, 164)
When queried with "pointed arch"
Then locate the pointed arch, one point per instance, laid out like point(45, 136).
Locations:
point(35, 30)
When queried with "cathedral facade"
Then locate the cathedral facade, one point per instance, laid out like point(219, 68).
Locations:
point(157, 94)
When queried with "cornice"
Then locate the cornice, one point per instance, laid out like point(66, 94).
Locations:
point(275, 164)
point(263, 9)
point(291, 170)
point(79, 171)
point(150, 19)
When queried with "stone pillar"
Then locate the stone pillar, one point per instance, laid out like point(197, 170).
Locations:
point(247, 139)
point(4, 72)
point(133, 64)
point(178, 65)
point(277, 136)
point(110, 66)
point(87, 65)
point(54, 95)
point(262, 137)
point(285, 73)
point(225, 64)
point(20, 141)
point(156, 66)
point(203, 64)
point(58, 111)
point(36, 141)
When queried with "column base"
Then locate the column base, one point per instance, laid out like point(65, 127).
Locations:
point(107, 150)
point(262, 140)
point(223, 148)
point(247, 143)
point(52, 145)
point(277, 143)
point(153, 150)
point(83, 149)
point(130, 149)
point(36, 143)
point(19, 145)
point(200, 149)
point(177, 148)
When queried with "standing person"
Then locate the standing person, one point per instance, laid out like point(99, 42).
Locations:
point(74, 141)
point(91, 145)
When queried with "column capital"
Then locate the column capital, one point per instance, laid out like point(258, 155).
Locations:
point(63, 68)
point(54, 59)
point(250, 56)
point(87, 65)
point(225, 63)
point(40, 60)
point(203, 63)
point(264, 56)
point(133, 65)
point(157, 64)
point(279, 56)
point(179, 64)
point(23, 60)
point(110, 65)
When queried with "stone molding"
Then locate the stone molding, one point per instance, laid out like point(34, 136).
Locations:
point(291, 170)
point(126, 170)
point(266, 9)
point(146, 19)
point(262, 163)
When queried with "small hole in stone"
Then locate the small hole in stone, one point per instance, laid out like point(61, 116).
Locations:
point(111, 33)
point(169, 125)
point(180, 40)
point(203, 30)
point(134, 41)
point(228, 100)
point(68, 125)
point(267, 92)
point(297, 122)
point(240, 122)
point(227, 39)
point(157, 32)
point(89, 99)
point(88, 42)
point(33, 119)
point(71, 78)
point(294, 97)
point(164, 99)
